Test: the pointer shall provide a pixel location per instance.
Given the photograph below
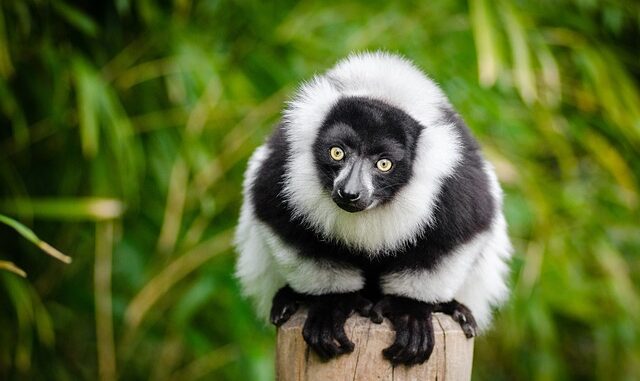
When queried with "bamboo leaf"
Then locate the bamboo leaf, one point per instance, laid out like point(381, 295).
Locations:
point(611, 160)
point(524, 75)
point(6, 67)
point(31, 236)
point(76, 18)
point(174, 272)
point(485, 35)
point(88, 107)
point(204, 365)
point(11, 267)
point(551, 81)
point(91, 208)
point(10, 107)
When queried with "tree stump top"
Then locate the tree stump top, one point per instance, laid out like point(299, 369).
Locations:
point(451, 358)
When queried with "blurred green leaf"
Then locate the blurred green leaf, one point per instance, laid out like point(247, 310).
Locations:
point(486, 38)
point(524, 76)
point(75, 17)
point(92, 209)
point(6, 68)
point(31, 236)
point(88, 105)
point(11, 267)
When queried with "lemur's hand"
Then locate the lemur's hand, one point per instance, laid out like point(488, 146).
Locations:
point(411, 320)
point(324, 329)
point(285, 304)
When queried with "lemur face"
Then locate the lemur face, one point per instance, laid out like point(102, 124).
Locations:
point(364, 152)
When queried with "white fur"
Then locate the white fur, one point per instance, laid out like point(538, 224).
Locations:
point(441, 283)
point(485, 285)
point(256, 268)
point(308, 276)
point(395, 81)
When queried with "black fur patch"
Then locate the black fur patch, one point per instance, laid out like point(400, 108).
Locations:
point(371, 130)
point(271, 207)
point(465, 206)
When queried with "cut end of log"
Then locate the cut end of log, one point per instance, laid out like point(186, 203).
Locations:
point(451, 358)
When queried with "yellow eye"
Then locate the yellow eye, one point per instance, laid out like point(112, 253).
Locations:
point(384, 165)
point(337, 153)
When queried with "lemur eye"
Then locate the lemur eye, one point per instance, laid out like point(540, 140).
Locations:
point(384, 165)
point(337, 153)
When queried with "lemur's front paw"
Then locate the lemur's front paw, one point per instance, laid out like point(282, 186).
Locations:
point(324, 328)
point(460, 313)
point(285, 304)
point(411, 320)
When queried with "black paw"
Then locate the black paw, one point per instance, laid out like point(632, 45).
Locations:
point(411, 320)
point(324, 328)
point(285, 304)
point(460, 313)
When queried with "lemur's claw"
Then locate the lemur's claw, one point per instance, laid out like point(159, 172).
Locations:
point(462, 314)
point(278, 318)
point(466, 321)
point(285, 304)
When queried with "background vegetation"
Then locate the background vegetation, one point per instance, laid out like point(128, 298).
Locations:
point(125, 131)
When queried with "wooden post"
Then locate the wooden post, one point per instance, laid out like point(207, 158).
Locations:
point(451, 358)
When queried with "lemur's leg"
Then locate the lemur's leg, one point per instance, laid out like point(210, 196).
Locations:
point(330, 289)
point(411, 320)
point(460, 313)
point(324, 328)
point(327, 315)
point(414, 284)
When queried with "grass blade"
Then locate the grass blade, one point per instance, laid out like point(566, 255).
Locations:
point(6, 68)
point(103, 305)
point(485, 37)
point(32, 237)
point(90, 208)
point(524, 76)
point(172, 274)
point(11, 267)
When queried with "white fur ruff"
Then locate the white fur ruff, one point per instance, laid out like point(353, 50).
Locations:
point(397, 82)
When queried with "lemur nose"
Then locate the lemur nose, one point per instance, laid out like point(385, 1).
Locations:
point(348, 196)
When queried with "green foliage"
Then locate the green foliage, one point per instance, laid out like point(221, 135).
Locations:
point(127, 129)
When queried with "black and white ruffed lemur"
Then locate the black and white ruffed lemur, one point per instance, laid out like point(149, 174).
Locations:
point(371, 195)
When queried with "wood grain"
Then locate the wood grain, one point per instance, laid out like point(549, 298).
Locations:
point(451, 358)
